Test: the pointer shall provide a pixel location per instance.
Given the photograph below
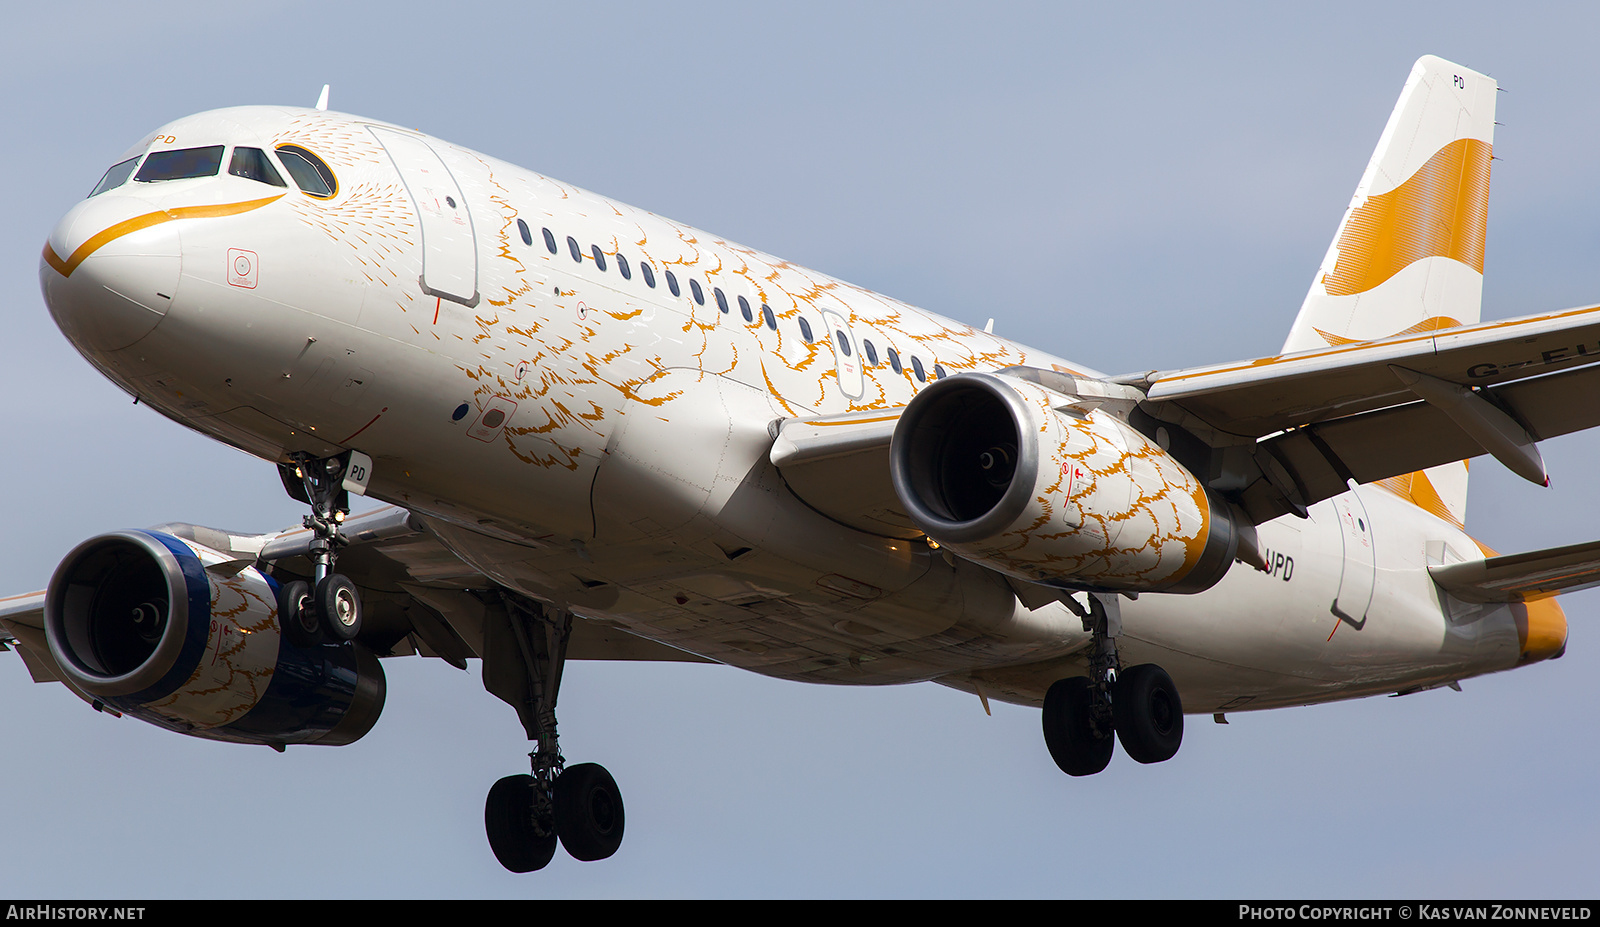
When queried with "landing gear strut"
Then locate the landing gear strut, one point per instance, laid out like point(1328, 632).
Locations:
point(580, 805)
point(328, 609)
point(1085, 715)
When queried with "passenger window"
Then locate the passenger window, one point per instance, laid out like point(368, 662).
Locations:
point(599, 256)
point(527, 233)
point(722, 301)
point(805, 330)
point(938, 371)
point(622, 267)
point(870, 351)
point(766, 313)
point(649, 274)
point(916, 365)
point(572, 246)
point(672, 284)
point(181, 164)
point(844, 342)
point(116, 177)
point(550, 242)
point(252, 164)
point(894, 361)
point(309, 171)
point(744, 309)
point(699, 294)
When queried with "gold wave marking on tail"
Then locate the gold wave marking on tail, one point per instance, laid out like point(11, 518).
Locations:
point(1431, 324)
point(1440, 211)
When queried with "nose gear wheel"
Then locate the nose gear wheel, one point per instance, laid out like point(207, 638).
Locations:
point(328, 609)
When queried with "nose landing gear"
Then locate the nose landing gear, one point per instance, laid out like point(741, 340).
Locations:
point(580, 805)
point(1085, 715)
point(328, 609)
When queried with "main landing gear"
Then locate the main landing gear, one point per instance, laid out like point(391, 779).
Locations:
point(580, 805)
point(327, 609)
point(1085, 715)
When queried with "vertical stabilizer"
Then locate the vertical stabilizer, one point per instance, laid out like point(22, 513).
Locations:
point(1408, 256)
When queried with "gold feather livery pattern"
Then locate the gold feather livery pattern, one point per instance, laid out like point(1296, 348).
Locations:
point(240, 657)
point(1110, 508)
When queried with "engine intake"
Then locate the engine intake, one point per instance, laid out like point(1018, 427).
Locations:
point(1020, 478)
point(135, 620)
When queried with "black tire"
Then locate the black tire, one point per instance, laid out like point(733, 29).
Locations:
point(1069, 732)
point(1148, 713)
point(508, 820)
point(588, 809)
point(339, 607)
point(297, 614)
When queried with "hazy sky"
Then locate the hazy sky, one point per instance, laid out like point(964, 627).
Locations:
point(1133, 190)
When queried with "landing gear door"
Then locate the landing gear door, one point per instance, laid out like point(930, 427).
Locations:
point(848, 353)
point(449, 246)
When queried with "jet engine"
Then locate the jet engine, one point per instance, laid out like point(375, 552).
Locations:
point(1052, 489)
point(186, 638)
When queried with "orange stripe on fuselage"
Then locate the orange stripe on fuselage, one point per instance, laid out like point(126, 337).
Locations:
point(128, 226)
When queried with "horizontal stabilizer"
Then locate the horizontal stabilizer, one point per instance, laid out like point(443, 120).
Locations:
point(1524, 577)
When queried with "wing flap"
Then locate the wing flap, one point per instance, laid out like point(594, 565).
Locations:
point(1406, 438)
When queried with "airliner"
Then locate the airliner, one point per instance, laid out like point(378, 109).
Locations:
point(598, 434)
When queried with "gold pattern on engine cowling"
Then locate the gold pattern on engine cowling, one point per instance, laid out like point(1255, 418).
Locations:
point(1109, 509)
point(240, 657)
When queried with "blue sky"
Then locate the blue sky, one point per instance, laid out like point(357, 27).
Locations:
point(1133, 190)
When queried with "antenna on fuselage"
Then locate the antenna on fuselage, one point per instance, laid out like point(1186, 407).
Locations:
point(322, 99)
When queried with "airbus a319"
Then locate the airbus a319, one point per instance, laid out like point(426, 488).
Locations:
point(601, 434)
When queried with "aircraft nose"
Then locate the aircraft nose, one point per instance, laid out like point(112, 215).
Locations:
point(109, 271)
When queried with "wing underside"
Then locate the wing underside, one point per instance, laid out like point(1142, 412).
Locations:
point(419, 598)
point(1285, 432)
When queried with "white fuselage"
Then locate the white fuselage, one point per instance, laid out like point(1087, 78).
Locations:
point(586, 437)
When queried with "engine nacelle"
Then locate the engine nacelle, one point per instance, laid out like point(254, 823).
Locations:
point(1018, 477)
point(181, 636)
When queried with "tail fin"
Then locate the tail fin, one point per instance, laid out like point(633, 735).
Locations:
point(1408, 256)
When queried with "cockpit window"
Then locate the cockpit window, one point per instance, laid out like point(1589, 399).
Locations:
point(309, 171)
point(116, 177)
point(181, 163)
point(253, 164)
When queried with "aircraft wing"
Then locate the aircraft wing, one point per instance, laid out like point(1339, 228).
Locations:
point(1277, 434)
point(419, 597)
point(839, 465)
point(1294, 429)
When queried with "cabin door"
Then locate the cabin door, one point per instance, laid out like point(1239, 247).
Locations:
point(449, 247)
